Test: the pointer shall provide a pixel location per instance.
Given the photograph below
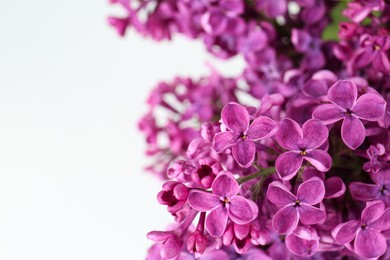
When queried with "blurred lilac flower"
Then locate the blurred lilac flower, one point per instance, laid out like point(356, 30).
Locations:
point(240, 135)
point(345, 105)
point(297, 208)
point(174, 195)
point(302, 143)
point(223, 204)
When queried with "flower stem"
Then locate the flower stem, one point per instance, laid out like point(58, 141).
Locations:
point(262, 173)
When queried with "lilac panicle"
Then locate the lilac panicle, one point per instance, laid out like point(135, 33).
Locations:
point(240, 134)
point(302, 144)
point(348, 107)
point(280, 159)
point(223, 204)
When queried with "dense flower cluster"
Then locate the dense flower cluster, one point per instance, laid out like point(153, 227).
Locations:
point(291, 158)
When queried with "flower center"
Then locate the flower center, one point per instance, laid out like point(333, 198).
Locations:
point(382, 190)
point(303, 152)
point(349, 112)
point(363, 226)
point(377, 47)
point(225, 201)
point(297, 203)
point(243, 137)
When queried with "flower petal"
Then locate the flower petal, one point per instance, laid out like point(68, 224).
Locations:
point(235, 117)
point(328, 113)
point(321, 160)
point(279, 195)
point(370, 244)
point(353, 132)
point(304, 242)
point(289, 134)
point(343, 93)
point(382, 223)
point(373, 211)
point(224, 140)
point(334, 187)
point(345, 232)
point(203, 201)
point(310, 215)
point(244, 152)
point(285, 220)
point(315, 133)
point(216, 221)
point(241, 210)
point(381, 177)
point(225, 185)
point(369, 107)
point(363, 191)
point(311, 191)
point(288, 164)
point(262, 127)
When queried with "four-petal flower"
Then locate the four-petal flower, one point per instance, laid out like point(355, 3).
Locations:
point(345, 105)
point(222, 204)
point(303, 144)
point(240, 134)
point(297, 208)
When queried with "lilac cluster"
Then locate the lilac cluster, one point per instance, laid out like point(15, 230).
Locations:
point(291, 158)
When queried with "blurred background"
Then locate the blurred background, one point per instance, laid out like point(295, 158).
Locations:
point(72, 184)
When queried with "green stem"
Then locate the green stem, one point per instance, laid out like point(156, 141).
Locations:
point(264, 172)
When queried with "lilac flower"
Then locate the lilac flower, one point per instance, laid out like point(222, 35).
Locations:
point(378, 191)
point(303, 242)
point(377, 155)
point(302, 143)
point(297, 208)
point(366, 233)
point(223, 204)
point(206, 171)
point(347, 107)
point(241, 135)
point(373, 51)
point(171, 246)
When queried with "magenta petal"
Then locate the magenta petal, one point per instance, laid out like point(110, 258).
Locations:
point(353, 132)
point(381, 177)
point(310, 215)
point(382, 223)
point(224, 140)
point(203, 201)
point(311, 191)
point(345, 232)
point(303, 242)
point(315, 133)
point(381, 62)
point(242, 231)
point(328, 113)
point(225, 185)
point(369, 107)
point(159, 236)
point(370, 244)
point(241, 211)
point(285, 220)
point(216, 221)
point(279, 195)
point(373, 211)
point(363, 191)
point(244, 152)
point(262, 127)
point(235, 117)
point(343, 93)
point(289, 134)
point(321, 160)
point(288, 164)
point(171, 247)
point(334, 187)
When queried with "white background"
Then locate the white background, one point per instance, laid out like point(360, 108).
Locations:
point(71, 91)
